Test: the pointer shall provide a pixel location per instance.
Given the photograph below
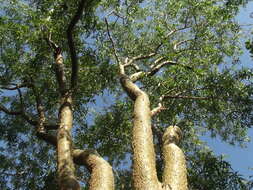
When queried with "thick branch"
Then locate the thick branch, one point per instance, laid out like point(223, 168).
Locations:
point(101, 171)
point(174, 174)
point(73, 22)
point(131, 89)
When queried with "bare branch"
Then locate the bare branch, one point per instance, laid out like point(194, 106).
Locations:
point(140, 57)
point(155, 51)
point(28, 118)
point(59, 66)
point(73, 22)
point(156, 68)
point(9, 112)
point(157, 110)
point(16, 86)
point(112, 42)
point(188, 97)
point(49, 40)
point(176, 45)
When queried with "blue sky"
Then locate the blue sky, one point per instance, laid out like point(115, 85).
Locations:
point(240, 158)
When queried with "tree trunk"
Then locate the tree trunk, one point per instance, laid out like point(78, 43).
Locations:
point(66, 169)
point(144, 166)
point(175, 174)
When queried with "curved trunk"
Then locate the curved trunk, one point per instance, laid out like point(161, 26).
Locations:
point(144, 167)
point(101, 172)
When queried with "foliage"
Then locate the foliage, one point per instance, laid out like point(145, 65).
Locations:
point(205, 50)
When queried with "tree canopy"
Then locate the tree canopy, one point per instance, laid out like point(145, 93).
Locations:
point(183, 54)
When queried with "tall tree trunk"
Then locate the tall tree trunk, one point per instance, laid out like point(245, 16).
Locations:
point(66, 169)
point(144, 167)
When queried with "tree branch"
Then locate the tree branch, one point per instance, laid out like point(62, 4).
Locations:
point(9, 112)
point(176, 45)
point(73, 22)
point(155, 51)
point(28, 118)
point(188, 97)
point(59, 66)
point(112, 42)
point(155, 68)
point(101, 171)
point(16, 86)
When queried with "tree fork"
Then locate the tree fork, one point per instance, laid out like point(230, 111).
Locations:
point(102, 177)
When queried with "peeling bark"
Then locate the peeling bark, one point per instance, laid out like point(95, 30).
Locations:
point(175, 174)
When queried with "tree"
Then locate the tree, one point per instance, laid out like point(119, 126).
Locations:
point(57, 56)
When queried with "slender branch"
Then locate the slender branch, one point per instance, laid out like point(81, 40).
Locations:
point(176, 45)
point(16, 86)
point(28, 118)
point(50, 139)
point(155, 51)
point(156, 68)
point(59, 66)
point(188, 97)
point(9, 112)
point(72, 49)
point(112, 42)
point(50, 42)
point(157, 110)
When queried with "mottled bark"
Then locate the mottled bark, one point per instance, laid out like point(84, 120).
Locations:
point(66, 169)
point(101, 172)
point(102, 177)
point(175, 174)
point(144, 167)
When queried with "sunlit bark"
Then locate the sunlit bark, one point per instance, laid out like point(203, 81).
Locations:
point(175, 174)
